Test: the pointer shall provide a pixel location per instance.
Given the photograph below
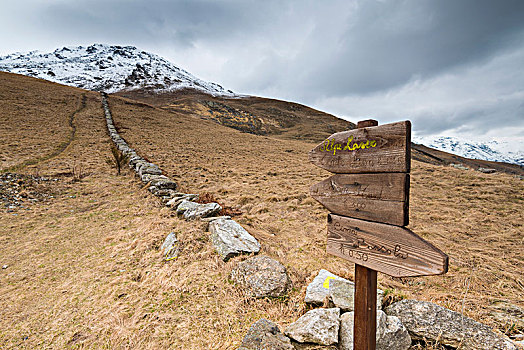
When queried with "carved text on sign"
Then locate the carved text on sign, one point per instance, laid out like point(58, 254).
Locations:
point(393, 250)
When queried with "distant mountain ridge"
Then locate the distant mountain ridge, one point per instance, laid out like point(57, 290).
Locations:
point(107, 68)
point(508, 150)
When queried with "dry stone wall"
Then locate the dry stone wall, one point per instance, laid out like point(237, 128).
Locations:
point(225, 231)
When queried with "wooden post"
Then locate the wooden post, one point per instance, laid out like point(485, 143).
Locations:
point(365, 321)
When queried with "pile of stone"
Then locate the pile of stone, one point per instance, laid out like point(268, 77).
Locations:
point(397, 326)
point(18, 191)
point(228, 237)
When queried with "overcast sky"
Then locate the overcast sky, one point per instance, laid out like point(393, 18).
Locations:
point(453, 67)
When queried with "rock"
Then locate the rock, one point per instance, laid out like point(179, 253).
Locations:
point(342, 294)
point(165, 192)
point(191, 210)
point(319, 326)
point(425, 320)
point(144, 167)
point(4, 267)
point(391, 334)
point(487, 170)
point(508, 314)
point(170, 247)
point(231, 239)
point(266, 335)
point(459, 166)
point(161, 183)
point(318, 290)
point(147, 178)
point(179, 197)
point(225, 217)
point(262, 276)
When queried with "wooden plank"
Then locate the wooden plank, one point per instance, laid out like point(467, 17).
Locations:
point(382, 149)
point(365, 316)
point(376, 197)
point(393, 250)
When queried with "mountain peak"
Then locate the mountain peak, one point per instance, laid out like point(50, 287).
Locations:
point(108, 68)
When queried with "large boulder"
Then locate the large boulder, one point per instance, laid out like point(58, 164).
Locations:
point(342, 294)
point(318, 326)
point(192, 211)
point(265, 335)
point(231, 239)
point(391, 334)
point(262, 276)
point(425, 320)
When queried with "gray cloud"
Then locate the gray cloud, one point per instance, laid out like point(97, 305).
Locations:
point(451, 66)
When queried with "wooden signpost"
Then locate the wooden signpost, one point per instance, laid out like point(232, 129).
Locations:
point(369, 201)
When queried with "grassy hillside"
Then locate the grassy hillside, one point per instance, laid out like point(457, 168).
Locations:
point(255, 115)
point(85, 270)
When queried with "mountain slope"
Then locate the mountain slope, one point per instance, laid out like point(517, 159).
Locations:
point(107, 68)
point(502, 150)
point(254, 115)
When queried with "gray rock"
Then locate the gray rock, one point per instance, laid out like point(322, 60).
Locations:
point(342, 294)
point(318, 290)
point(192, 211)
point(318, 326)
point(433, 322)
point(148, 168)
point(148, 178)
point(170, 247)
point(225, 217)
point(391, 334)
point(487, 170)
point(231, 239)
point(179, 197)
point(164, 192)
point(262, 276)
point(163, 184)
point(265, 335)
point(459, 166)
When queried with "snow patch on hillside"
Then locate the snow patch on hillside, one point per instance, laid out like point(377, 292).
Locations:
point(107, 68)
point(504, 149)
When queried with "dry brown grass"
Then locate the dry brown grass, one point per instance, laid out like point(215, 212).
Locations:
point(36, 119)
point(85, 270)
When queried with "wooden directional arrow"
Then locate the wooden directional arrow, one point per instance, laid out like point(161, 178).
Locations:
point(393, 250)
point(377, 149)
point(376, 197)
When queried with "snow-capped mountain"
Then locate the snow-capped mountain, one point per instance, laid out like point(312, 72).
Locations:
point(107, 68)
point(509, 150)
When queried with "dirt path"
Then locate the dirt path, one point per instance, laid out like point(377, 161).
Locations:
point(61, 147)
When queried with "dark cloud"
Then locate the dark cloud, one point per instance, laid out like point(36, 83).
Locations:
point(449, 65)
